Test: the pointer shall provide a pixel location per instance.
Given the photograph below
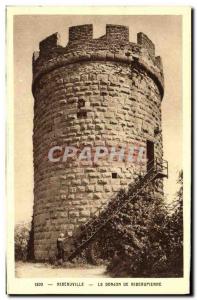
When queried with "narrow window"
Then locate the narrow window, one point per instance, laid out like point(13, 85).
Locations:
point(114, 175)
point(81, 103)
point(82, 114)
point(150, 155)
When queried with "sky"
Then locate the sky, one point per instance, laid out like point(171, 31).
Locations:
point(164, 31)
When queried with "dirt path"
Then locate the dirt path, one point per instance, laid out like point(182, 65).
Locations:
point(31, 270)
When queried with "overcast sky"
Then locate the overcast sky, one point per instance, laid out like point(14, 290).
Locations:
point(164, 31)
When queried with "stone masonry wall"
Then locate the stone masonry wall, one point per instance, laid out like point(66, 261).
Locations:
point(106, 91)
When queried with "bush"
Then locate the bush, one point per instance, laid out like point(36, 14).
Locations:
point(147, 238)
point(21, 236)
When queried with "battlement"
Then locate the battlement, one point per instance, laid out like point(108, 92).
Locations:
point(114, 33)
point(81, 33)
point(117, 33)
point(145, 42)
point(49, 43)
point(113, 46)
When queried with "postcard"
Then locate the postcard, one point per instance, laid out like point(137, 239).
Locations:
point(98, 150)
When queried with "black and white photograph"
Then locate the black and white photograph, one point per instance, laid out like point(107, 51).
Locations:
point(100, 127)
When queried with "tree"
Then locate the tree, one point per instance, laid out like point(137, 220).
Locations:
point(21, 236)
point(146, 239)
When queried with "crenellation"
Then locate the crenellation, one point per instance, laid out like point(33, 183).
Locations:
point(117, 33)
point(145, 42)
point(114, 45)
point(81, 33)
point(49, 43)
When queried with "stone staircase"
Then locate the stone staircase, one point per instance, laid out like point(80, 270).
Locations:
point(86, 233)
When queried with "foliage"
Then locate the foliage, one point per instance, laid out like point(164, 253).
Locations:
point(174, 228)
point(21, 238)
point(146, 238)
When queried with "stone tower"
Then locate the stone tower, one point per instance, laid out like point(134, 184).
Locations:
point(93, 92)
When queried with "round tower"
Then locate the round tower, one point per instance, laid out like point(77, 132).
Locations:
point(100, 94)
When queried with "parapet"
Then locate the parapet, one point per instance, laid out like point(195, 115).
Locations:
point(80, 33)
point(113, 46)
point(145, 42)
point(117, 33)
point(49, 43)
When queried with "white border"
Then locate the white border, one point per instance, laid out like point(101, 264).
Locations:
point(149, 10)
